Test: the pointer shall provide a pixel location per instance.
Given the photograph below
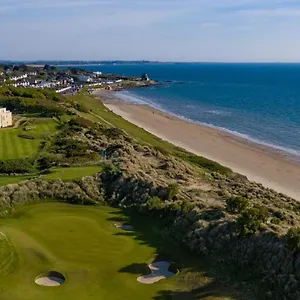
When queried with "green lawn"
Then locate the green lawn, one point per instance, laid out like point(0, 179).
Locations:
point(13, 147)
point(72, 173)
point(5, 180)
point(98, 260)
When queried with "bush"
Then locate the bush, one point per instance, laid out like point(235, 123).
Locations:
point(236, 204)
point(187, 206)
point(81, 122)
point(251, 220)
point(293, 238)
point(44, 163)
point(204, 163)
point(20, 166)
point(155, 203)
point(26, 136)
point(173, 190)
point(81, 107)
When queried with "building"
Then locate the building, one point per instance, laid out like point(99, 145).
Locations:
point(84, 78)
point(5, 118)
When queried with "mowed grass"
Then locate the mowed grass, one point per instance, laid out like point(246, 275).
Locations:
point(98, 260)
point(13, 147)
point(5, 180)
point(72, 173)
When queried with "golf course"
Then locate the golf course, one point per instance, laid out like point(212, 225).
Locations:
point(15, 146)
point(97, 259)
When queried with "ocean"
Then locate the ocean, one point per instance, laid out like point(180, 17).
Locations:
point(259, 102)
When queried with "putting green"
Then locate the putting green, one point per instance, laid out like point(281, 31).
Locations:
point(81, 243)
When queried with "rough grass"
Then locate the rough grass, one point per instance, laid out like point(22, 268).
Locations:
point(144, 137)
point(72, 173)
point(98, 260)
point(13, 147)
point(8, 255)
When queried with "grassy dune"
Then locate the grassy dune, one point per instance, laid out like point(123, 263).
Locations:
point(98, 260)
point(109, 118)
point(13, 147)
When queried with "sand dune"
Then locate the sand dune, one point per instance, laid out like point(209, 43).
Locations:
point(259, 163)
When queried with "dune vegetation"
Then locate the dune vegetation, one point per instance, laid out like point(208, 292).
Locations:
point(229, 237)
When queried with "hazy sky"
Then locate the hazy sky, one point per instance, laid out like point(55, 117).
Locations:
point(165, 30)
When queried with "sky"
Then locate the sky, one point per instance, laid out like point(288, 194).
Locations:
point(163, 30)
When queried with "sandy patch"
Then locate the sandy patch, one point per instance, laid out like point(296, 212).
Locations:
point(159, 271)
point(50, 279)
point(124, 226)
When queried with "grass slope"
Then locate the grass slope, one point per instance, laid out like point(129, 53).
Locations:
point(99, 260)
point(13, 147)
point(144, 137)
point(72, 173)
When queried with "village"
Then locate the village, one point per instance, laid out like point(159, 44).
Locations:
point(69, 80)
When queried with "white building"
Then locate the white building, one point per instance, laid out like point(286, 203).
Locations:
point(15, 78)
point(5, 118)
point(84, 78)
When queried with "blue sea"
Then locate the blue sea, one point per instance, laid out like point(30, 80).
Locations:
point(259, 102)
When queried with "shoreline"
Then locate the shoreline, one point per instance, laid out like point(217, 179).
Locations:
point(257, 162)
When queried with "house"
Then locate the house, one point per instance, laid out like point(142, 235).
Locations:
point(84, 78)
point(15, 78)
point(5, 118)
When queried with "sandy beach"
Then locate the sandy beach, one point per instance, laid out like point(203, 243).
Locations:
point(259, 163)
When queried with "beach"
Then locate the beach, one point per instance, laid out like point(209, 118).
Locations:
point(262, 164)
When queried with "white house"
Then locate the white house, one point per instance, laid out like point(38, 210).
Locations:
point(84, 78)
point(5, 118)
point(15, 78)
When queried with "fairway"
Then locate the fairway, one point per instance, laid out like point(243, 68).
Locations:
point(98, 260)
point(5, 180)
point(72, 173)
point(13, 147)
point(81, 243)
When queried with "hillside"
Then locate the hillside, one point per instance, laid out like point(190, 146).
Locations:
point(205, 207)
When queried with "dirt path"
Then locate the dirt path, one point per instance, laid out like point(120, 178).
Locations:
point(18, 122)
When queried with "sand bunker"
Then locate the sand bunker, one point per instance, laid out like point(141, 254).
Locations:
point(159, 271)
point(124, 226)
point(51, 278)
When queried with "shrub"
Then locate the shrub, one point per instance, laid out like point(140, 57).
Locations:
point(26, 136)
point(113, 133)
point(155, 203)
point(187, 206)
point(81, 107)
point(236, 204)
point(204, 163)
point(173, 190)
point(19, 166)
point(293, 238)
point(251, 220)
point(81, 122)
point(44, 163)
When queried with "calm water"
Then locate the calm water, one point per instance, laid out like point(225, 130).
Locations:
point(260, 102)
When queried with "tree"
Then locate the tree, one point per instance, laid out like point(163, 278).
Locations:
point(47, 67)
